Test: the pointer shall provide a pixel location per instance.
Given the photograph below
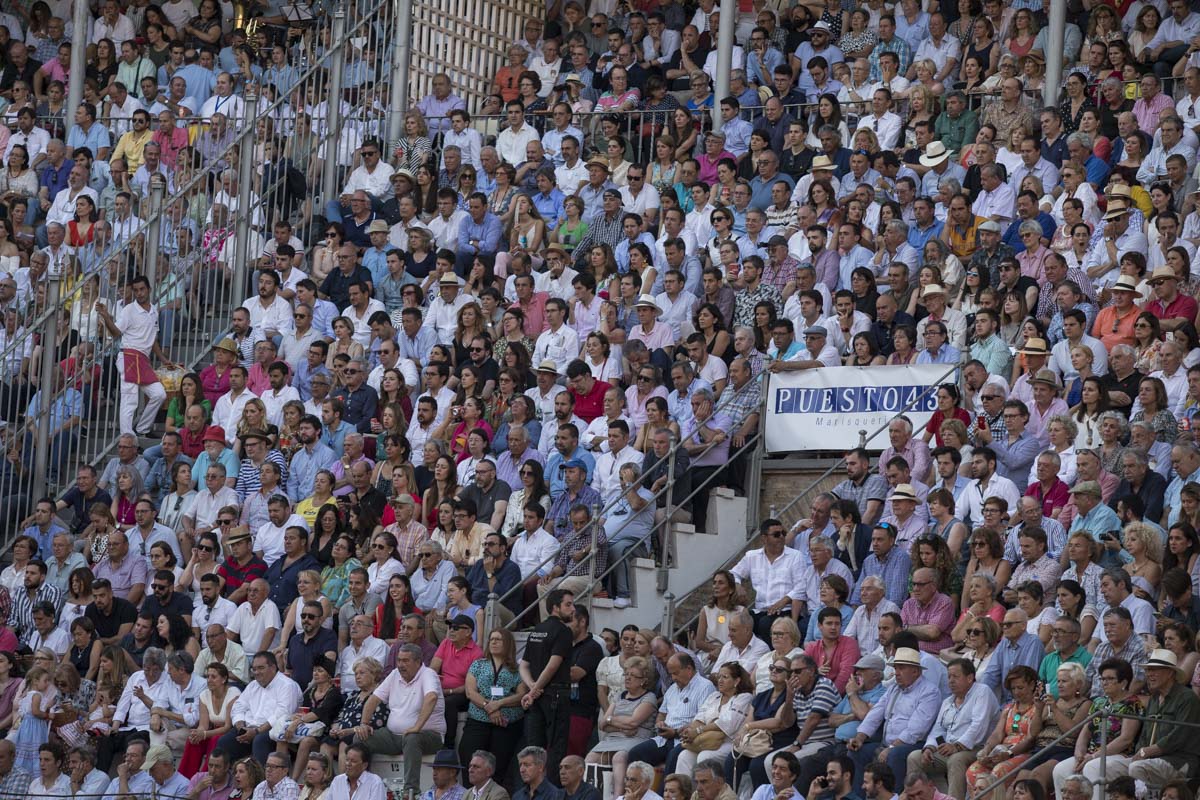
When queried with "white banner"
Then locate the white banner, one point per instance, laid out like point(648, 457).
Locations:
point(824, 409)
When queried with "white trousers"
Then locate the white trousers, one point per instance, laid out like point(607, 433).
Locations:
point(131, 394)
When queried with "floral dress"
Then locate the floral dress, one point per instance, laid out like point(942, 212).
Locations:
point(351, 716)
point(1132, 705)
point(1016, 727)
point(1166, 427)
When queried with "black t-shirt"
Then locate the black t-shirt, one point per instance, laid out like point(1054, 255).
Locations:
point(178, 604)
point(1111, 383)
point(684, 83)
point(123, 613)
point(585, 701)
point(550, 638)
point(82, 506)
point(489, 370)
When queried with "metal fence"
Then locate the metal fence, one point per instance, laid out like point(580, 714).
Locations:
point(198, 238)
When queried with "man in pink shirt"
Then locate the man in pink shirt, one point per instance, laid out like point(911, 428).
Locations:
point(928, 613)
point(1148, 109)
point(451, 662)
point(648, 331)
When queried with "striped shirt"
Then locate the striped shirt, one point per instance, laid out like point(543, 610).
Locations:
point(820, 701)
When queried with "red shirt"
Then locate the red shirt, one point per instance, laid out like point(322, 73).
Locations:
point(456, 662)
point(1181, 307)
point(591, 405)
point(1053, 500)
point(193, 443)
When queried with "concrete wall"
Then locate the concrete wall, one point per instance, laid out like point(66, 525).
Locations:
point(784, 479)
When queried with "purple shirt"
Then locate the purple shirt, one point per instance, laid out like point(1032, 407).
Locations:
point(131, 572)
point(718, 454)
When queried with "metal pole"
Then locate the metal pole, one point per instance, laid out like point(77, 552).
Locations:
point(401, 56)
point(245, 211)
point(158, 187)
point(1054, 64)
point(595, 542)
point(668, 624)
point(47, 392)
point(728, 20)
point(337, 61)
point(1102, 782)
point(754, 481)
point(489, 612)
point(79, 23)
point(667, 533)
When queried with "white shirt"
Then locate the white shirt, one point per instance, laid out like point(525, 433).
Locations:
point(530, 552)
point(772, 580)
point(138, 326)
point(131, 712)
point(443, 317)
point(371, 648)
point(228, 411)
point(997, 486)
point(560, 346)
point(606, 479)
point(221, 613)
point(948, 50)
point(469, 142)
point(251, 627)
point(275, 401)
point(370, 787)
point(445, 231)
point(710, 63)
point(377, 183)
point(260, 704)
point(886, 128)
point(362, 330)
point(510, 144)
point(57, 640)
point(998, 203)
point(207, 505)
point(233, 107)
point(62, 210)
point(647, 198)
point(268, 540)
point(676, 312)
point(35, 143)
point(278, 316)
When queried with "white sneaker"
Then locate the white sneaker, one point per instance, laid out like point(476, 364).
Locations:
point(621, 602)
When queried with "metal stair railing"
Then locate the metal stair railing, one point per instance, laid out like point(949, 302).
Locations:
point(670, 625)
point(23, 475)
point(494, 600)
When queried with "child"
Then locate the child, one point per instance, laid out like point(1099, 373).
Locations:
point(34, 709)
point(99, 721)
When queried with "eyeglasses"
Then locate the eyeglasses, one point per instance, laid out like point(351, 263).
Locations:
point(424, 555)
point(778, 669)
point(980, 542)
point(159, 587)
point(526, 473)
point(975, 632)
point(308, 616)
point(644, 379)
point(205, 547)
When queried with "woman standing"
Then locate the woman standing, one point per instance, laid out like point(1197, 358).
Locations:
point(495, 689)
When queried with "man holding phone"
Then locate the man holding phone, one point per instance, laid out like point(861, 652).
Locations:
point(836, 784)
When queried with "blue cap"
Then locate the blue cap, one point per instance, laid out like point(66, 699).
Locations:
point(577, 463)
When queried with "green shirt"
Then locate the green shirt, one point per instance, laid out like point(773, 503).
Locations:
point(956, 133)
point(1179, 743)
point(1048, 671)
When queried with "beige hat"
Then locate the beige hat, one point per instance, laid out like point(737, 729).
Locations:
point(599, 161)
point(647, 301)
point(1163, 274)
point(227, 344)
point(1118, 190)
point(933, 289)
point(1035, 347)
point(907, 657)
point(903, 491)
point(821, 162)
point(1165, 659)
point(156, 754)
point(547, 366)
point(378, 226)
point(1125, 283)
point(448, 279)
point(1045, 376)
point(1116, 211)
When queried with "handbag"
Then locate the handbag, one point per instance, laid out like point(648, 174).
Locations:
point(752, 743)
point(709, 740)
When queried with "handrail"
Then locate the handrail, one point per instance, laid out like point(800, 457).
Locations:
point(669, 487)
point(729, 562)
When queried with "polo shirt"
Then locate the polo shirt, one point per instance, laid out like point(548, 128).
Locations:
point(456, 661)
point(405, 698)
point(302, 652)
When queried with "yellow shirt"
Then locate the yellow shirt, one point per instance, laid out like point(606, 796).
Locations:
point(131, 147)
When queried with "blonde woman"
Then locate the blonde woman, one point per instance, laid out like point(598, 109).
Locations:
point(785, 643)
point(1146, 546)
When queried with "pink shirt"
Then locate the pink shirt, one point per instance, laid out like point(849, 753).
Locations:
point(840, 661)
point(939, 612)
point(456, 662)
point(636, 407)
point(1148, 111)
point(660, 336)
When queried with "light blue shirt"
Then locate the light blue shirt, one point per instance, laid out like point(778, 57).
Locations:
point(335, 438)
point(139, 783)
point(680, 706)
point(948, 354)
point(430, 593)
point(485, 233)
point(858, 256)
point(1028, 651)
point(417, 347)
point(621, 252)
point(906, 714)
point(324, 313)
point(555, 480)
point(552, 142)
point(304, 468)
point(375, 260)
point(762, 70)
point(968, 724)
point(846, 731)
point(93, 139)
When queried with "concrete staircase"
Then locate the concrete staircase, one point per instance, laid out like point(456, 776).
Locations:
point(698, 555)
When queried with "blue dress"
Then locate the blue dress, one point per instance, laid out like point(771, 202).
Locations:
point(32, 734)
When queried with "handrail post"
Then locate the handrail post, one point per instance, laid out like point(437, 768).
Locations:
point(490, 612)
point(158, 188)
point(401, 56)
point(666, 534)
point(595, 543)
point(245, 212)
point(1103, 751)
point(668, 623)
point(754, 482)
point(47, 390)
point(728, 23)
point(333, 95)
point(79, 24)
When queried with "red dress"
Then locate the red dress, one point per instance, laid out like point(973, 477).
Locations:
point(77, 239)
point(935, 423)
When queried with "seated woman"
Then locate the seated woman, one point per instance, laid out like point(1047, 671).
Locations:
point(1115, 676)
point(710, 733)
point(1058, 716)
point(319, 708)
point(1012, 741)
point(772, 714)
point(350, 723)
point(979, 642)
point(628, 721)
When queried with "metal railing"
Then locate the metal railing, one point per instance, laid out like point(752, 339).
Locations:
point(671, 628)
point(198, 277)
point(753, 442)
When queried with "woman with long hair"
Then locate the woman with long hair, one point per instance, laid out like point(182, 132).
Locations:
point(321, 702)
point(987, 559)
point(77, 599)
point(1093, 403)
point(129, 488)
point(1183, 548)
point(1148, 340)
point(444, 486)
point(495, 691)
point(10, 684)
point(1156, 410)
point(173, 634)
point(827, 112)
point(1071, 602)
point(216, 703)
point(247, 775)
point(390, 613)
point(533, 490)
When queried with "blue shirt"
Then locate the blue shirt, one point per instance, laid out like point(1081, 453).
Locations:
point(55, 180)
point(304, 468)
point(621, 251)
point(917, 238)
point(95, 138)
point(550, 206)
point(486, 233)
point(336, 437)
point(302, 377)
point(44, 539)
point(894, 572)
point(909, 712)
point(200, 81)
point(760, 190)
point(554, 475)
point(1028, 651)
point(324, 313)
point(846, 731)
point(1012, 236)
point(375, 260)
point(762, 70)
point(284, 78)
point(947, 355)
point(418, 347)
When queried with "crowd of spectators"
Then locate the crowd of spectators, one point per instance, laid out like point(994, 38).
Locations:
point(522, 336)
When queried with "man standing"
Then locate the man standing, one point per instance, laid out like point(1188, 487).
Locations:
point(137, 325)
point(546, 670)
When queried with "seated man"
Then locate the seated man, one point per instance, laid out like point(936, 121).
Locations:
point(417, 714)
point(451, 662)
point(268, 697)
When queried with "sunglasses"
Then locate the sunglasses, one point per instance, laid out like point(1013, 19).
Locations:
point(975, 632)
point(205, 547)
point(308, 616)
